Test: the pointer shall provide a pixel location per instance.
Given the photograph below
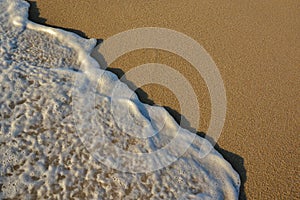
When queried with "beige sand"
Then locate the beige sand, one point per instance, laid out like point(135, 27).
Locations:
point(256, 47)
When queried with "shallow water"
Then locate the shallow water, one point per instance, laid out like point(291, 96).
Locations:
point(64, 136)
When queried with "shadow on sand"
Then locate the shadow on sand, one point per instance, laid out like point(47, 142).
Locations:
point(235, 160)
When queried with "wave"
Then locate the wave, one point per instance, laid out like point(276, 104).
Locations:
point(64, 136)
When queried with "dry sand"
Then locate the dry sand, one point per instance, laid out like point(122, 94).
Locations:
point(256, 46)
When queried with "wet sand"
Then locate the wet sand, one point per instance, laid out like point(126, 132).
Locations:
point(257, 50)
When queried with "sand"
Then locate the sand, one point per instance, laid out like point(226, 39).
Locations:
point(257, 50)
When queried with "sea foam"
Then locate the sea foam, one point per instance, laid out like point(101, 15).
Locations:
point(48, 152)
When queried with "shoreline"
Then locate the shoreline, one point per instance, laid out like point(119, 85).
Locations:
point(259, 70)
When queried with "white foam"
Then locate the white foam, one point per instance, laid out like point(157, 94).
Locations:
point(43, 157)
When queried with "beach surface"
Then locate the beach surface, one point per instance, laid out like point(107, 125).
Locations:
point(256, 47)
